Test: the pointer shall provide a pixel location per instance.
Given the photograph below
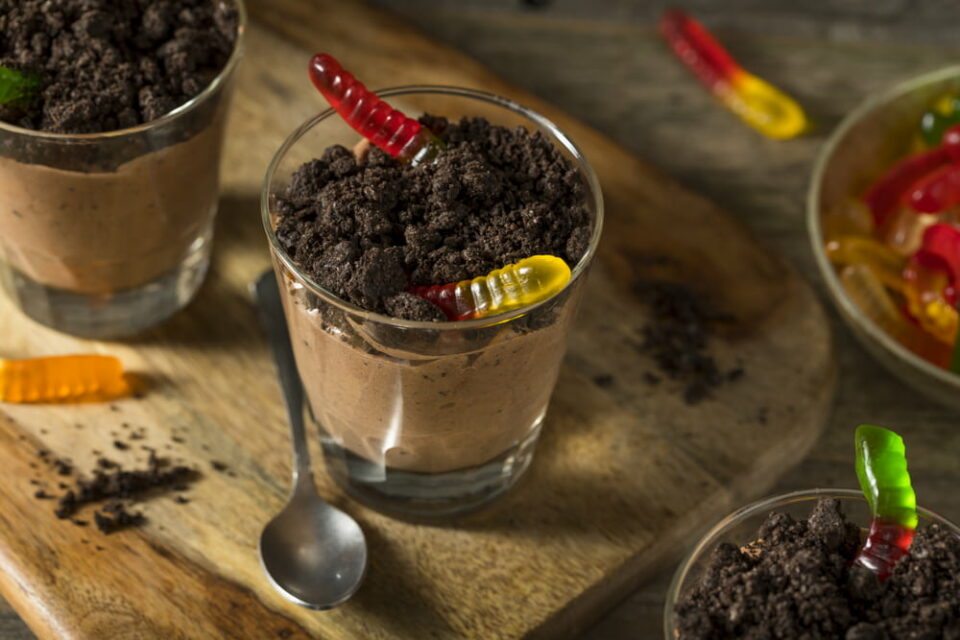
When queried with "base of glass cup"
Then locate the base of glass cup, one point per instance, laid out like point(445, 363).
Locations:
point(115, 314)
point(428, 495)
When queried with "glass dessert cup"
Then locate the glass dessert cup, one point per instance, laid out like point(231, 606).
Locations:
point(107, 234)
point(741, 527)
point(873, 137)
point(425, 419)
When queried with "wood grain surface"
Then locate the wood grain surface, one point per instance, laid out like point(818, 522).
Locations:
point(625, 474)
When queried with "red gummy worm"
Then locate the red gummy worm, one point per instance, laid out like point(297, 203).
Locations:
point(370, 116)
point(445, 297)
point(951, 142)
point(884, 195)
point(939, 249)
point(887, 542)
point(937, 191)
point(694, 45)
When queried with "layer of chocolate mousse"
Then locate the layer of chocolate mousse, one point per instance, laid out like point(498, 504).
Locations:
point(367, 228)
point(796, 581)
point(105, 215)
point(103, 231)
point(430, 403)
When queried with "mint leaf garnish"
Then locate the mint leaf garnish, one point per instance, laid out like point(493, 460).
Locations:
point(17, 86)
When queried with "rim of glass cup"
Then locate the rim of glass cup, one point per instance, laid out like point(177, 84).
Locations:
point(593, 184)
point(186, 107)
point(763, 505)
point(815, 231)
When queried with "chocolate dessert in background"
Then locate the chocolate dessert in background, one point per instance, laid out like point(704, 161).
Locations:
point(796, 581)
point(106, 235)
point(105, 65)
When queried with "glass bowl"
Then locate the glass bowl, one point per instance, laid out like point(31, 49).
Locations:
point(741, 527)
point(854, 156)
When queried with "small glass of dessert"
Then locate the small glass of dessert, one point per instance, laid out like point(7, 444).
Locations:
point(108, 233)
point(825, 563)
point(741, 527)
point(423, 418)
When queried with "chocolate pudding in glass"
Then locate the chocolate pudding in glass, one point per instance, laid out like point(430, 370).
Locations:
point(109, 170)
point(420, 415)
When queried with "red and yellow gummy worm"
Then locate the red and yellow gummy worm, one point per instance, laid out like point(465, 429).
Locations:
point(755, 101)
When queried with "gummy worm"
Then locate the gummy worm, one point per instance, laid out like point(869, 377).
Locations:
point(389, 129)
point(940, 189)
point(62, 379)
point(944, 113)
point(886, 192)
point(940, 248)
point(756, 102)
point(516, 285)
point(885, 482)
point(936, 191)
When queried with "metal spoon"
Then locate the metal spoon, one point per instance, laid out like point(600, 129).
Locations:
point(313, 553)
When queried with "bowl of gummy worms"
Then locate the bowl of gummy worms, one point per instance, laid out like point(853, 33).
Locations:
point(883, 213)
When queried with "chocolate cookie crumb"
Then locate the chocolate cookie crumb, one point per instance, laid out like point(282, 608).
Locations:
point(677, 337)
point(604, 381)
point(122, 446)
point(114, 485)
point(407, 306)
point(368, 229)
point(218, 466)
point(120, 518)
point(112, 64)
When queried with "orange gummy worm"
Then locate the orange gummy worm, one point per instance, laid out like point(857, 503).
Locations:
point(62, 379)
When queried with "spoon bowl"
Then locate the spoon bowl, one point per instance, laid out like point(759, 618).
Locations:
point(318, 576)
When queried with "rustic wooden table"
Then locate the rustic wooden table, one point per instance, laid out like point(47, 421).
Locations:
point(602, 62)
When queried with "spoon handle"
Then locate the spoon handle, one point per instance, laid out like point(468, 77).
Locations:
point(267, 295)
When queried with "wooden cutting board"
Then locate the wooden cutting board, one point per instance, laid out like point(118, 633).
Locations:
point(625, 475)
